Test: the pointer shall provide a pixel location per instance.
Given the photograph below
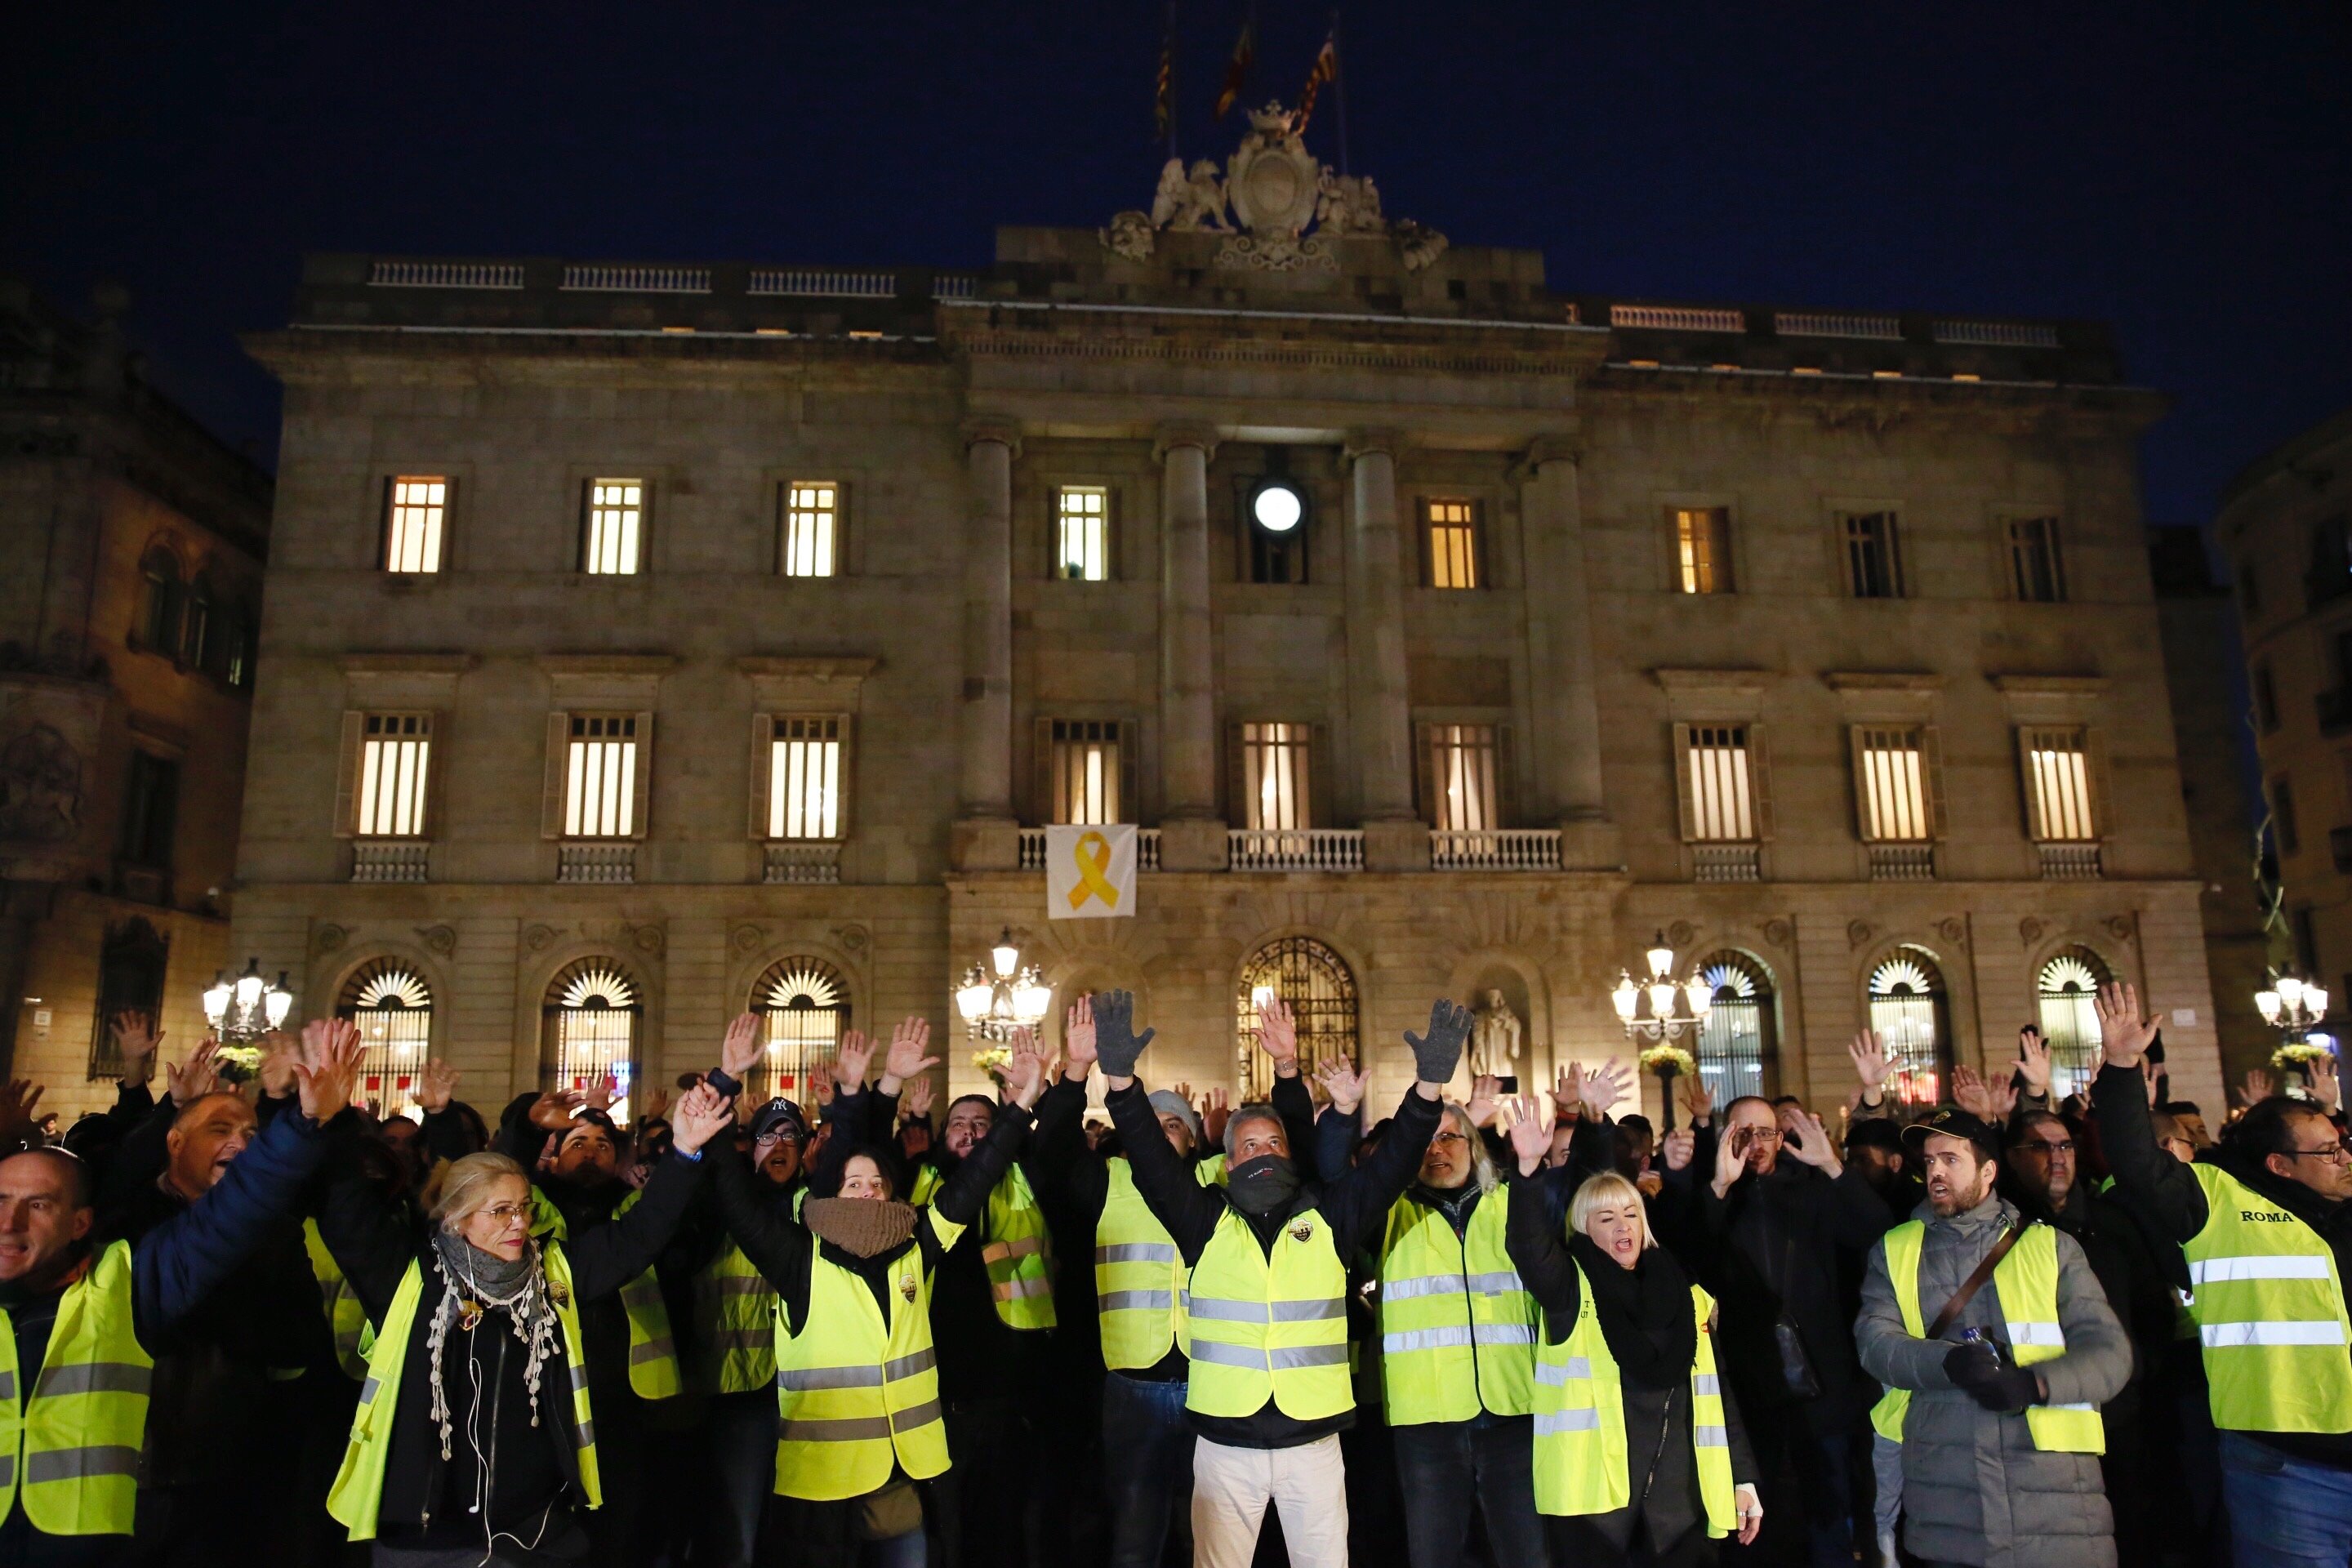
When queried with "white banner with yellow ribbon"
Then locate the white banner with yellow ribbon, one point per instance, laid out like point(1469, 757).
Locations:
point(1090, 872)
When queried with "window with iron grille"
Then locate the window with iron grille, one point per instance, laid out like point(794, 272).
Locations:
point(805, 1007)
point(393, 1008)
point(601, 777)
point(159, 610)
point(1874, 567)
point(2036, 572)
point(589, 1031)
point(1703, 549)
point(1722, 799)
point(2070, 983)
point(395, 762)
point(1082, 547)
point(1892, 779)
point(1321, 994)
point(1735, 1039)
point(1452, 527)
point(1086, 770)
point(1463, 765)
point(1907, 1010)
point(615, 527)
point(812, 528)
point(805, 776)
point(1273, 775)
point(416, 511)
point(2058, 773)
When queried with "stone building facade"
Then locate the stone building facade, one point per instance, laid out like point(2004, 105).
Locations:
point(2285, 527)
point(128, 610)
point(915, 562)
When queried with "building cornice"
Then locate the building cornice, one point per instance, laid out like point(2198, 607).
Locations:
point(821, 667)
point(409, 663)
point(2049, 685)
point(1740, 682)
point(607, 663)
point(1866, 681)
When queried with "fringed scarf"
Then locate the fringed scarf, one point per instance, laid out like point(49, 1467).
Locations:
point(475, 1281)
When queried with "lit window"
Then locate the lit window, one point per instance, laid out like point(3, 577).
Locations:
point(1461, 768)
point(590, 1034)
point(600, 789)
point(804, 778)
point(392, 1009)
point(1273, 775)
point(1082, 551)
point(1892, 780)
point(1086, 770)
point(812, 521)
point(1873, 568)
point(2039, 576)
point(1722, 806)
point(1703, 549)
point(616, 510)
point(412, 533)
point(2059, 772)
point(395, 752)
point(1453, 544)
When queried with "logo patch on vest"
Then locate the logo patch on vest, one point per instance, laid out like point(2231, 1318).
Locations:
point(559, 1293)
point(1302, 1230)
point(907, 1286)
point(2250, 1216)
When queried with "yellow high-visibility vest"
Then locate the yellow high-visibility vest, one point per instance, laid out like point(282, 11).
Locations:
point(652, 1348)
point(346, 1318)
point(2026, 1285)
point(736, 1309)
point(1580, 1460)
point(855, 1395)
point(1139, 1275)
point(1269, 1328)
point(2270, 1314)
point(70, 1453)
point(1457, 1326)
point(1014, 1245)
point(357, 1496)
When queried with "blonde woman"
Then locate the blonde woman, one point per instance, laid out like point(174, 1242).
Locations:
point(474, 1438)
point(1639, 1454)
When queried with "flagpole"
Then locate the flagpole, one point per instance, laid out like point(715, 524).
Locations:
point(1339, 90)
point(1168, 93)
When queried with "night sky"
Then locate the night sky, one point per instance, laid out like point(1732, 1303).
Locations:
point(2178, 171)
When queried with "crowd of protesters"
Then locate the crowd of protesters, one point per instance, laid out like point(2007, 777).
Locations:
point(1089, 1320)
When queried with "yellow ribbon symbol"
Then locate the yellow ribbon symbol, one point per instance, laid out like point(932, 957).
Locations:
point(1092, 856)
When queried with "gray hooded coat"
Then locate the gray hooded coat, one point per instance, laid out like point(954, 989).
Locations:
point(1975, 1488)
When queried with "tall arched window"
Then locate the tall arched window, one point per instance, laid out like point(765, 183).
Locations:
point(1735, 1044)
point(393, 1009)
point(1909, 1010)
point(2070, 1025)
point(1315, 980)
point(591, 1031)
point(805, 1007)
point(159, 611)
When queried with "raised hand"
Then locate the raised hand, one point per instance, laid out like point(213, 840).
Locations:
point(1484, 1091)
point(1024, 1076)
point(2256, 1087)
point(1117, 1044)
point(820, 1079)
point(1342, 1082)
point(1968, 1093)
point(2034, 1061)
point(654, 1105)
point(740, 1052)
point(1078, 1040)
point(909, 1057)
point(1678, 1147)
point(435, 1084)
point(702, 1114)
point(600, 1095)
point(135, 1040)
point(1809, 1141)
point(1216, 1108)
point(915, 1104)
point(17, 1127)
point(1698, 1101)
point(2001, 1098)
point(199, 1075)
point(329, 1068)
point(1436, 1054)
point(1563, 1086)
point(1868, 1053)
point(1277, 1035)
point(1730, 1160)
point(2150, 1077)
point(2124, 1035)
point(1530, 1133)
point(279, 1052)
point(1605, 1087)
point(2320, 1072)
point(849, 1062)
point(552, 1111)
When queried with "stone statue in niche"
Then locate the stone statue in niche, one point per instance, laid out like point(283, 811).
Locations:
point(1494, 1036)
point(40, 787)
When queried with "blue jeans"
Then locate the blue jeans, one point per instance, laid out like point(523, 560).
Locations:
point(1147, 1466)
point(741, 1431)
point(1445, 1467)
point(2285, 1512)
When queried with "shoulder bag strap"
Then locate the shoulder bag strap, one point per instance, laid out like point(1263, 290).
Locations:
point(1972, 1284)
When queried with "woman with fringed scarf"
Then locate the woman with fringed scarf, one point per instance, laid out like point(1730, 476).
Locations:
point(474, 1439)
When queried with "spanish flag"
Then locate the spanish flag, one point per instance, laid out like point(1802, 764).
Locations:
point(1325, 69)
point(1163, 103)
point(1237, 68)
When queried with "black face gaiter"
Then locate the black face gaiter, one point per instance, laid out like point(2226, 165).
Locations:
point(1262, 1186)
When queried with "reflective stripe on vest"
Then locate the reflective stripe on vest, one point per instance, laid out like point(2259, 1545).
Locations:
point(1581, 1465)
point(735, 1308)
point(357, 1496)
point(1140, 1277)
point(2026, 1286)
point(652, 1350)
point(1457, 1326)
point(346, 1318)
point(70, 1453)
point(2270, 1314)
point(1020, 1262)
point(855, 1396)
point(1269, 1328)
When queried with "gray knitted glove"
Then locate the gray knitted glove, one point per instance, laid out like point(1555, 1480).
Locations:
point(1116, 1045)
point(1435, 1057)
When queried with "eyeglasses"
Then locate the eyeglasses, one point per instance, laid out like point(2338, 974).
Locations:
point(1447, 1138)
point(2335, 1153)
point(507, 1214)
point(2047, 1150)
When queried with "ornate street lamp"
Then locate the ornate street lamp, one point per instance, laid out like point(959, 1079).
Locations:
point(245, 1009)
point(1001, 994)
point(1666, 1057)
point(2294, 1008)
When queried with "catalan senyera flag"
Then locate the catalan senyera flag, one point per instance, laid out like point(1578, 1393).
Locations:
point(1325, 69)
point(1237, 68)
point(1163, 101)
point(1090, 872)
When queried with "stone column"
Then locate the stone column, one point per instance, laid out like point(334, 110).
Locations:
point(1188, 752)
point(1566, 703)
point(1380, 699)
point(986, 790)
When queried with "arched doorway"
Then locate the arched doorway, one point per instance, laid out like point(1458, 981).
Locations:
point(393, 1009)
point(591, 1019)
point(1321, 992)
point(1909, 1010)
point(804, 1008)
point(2068, 986)
point(1737, 1049)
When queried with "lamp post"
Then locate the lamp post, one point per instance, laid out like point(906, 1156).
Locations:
point(1666, 1057)
point(2295, 1007)
point(1001, 994)
point(243, 1010)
